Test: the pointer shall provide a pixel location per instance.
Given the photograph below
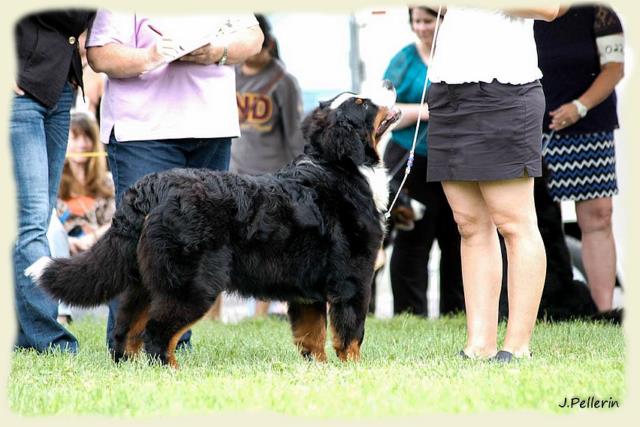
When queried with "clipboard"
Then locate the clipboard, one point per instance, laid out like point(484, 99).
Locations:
point(187, 45)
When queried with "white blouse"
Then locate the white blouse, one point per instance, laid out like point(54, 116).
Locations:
point(476, 45)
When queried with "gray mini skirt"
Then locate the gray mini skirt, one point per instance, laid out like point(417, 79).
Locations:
point(484, 131)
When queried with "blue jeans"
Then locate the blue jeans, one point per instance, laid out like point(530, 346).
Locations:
point(39, 138)
point(131, 160)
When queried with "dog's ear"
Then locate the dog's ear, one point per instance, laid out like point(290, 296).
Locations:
point(313, 124)
point(341, 141)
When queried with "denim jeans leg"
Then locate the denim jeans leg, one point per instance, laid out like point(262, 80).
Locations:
point(211, 153)
point(37, 159)
point(129, 161)
point(56, 129)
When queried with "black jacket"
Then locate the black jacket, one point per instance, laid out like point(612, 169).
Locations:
point(47, 49)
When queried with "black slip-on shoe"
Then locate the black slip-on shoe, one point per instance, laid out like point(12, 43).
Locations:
point(503, 357)
point(462, 355)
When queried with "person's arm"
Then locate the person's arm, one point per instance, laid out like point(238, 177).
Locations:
point(541, 13)
point(240, 45)
point(563, 9)
point(409, 115)
point(120, 61)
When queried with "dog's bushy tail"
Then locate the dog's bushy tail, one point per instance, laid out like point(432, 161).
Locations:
point(95, 276)
point(109, 267)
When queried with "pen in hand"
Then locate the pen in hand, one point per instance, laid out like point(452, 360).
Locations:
point(155, 30)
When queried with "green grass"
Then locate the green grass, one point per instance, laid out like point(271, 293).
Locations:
point(408, 367)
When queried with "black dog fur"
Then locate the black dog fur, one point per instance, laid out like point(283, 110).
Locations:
point(307, 234)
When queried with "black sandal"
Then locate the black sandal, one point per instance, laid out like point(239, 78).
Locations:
point(504, 356)
point(462, 355)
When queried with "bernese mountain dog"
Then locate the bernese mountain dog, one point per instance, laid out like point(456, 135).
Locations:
point(307, 234)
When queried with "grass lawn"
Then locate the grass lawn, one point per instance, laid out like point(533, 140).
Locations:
point(408, 367)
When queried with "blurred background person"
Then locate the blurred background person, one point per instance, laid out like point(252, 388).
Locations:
point(581, 55)
point(86, 199)
point(411, 248)
point(270, 110)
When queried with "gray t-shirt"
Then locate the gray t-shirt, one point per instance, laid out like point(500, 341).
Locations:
point(270, 109)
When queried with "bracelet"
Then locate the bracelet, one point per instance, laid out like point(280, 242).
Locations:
point(223, 58)
point(582, 109)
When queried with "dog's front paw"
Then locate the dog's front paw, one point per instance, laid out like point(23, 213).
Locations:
point(349, 353)
point(117, 355)
point(314, 356)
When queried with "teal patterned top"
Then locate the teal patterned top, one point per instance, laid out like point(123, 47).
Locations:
point(407, 73)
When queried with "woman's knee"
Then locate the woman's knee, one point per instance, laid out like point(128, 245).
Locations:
point(514, 225)
point(472, 225)
point(595, 218)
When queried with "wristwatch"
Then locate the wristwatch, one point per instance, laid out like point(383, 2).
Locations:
point(582, 110)
point(223, 58)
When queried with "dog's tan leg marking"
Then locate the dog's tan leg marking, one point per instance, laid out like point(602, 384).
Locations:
point(134, 336)
point(216, 309)
point(171, 348)
point(310, 333)
point(349, 352)
point(352, 352)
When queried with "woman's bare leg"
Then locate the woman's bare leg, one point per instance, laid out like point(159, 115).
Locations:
point(481, 265)
point(598, 249)
point(511, 206)
point(262, 308)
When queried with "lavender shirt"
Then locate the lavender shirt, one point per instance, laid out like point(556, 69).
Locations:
point(176, 100)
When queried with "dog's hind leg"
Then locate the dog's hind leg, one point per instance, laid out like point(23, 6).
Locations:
point(178, 304)
point(130, 323)
point(182, 279)
point(169, 318)
point(347, 319)
point(309, 327)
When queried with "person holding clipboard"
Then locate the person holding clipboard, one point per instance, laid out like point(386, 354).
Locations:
point(170, 98)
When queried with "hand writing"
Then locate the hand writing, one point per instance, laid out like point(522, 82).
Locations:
point(165, 50)
point(205, 55)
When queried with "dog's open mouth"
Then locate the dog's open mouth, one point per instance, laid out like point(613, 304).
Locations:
point(392, 116)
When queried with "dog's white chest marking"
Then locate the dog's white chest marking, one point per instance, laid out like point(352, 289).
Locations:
point(378, 181)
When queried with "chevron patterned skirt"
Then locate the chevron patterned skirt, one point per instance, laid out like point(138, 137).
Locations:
point(581, 166)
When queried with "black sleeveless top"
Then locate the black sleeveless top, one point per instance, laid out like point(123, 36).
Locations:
point(569, 60)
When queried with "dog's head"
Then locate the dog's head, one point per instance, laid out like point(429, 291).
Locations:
point(348, 127)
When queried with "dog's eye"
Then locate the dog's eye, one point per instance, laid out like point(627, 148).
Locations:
point(362, 102)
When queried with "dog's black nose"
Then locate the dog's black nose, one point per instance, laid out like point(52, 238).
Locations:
point(387, 84)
